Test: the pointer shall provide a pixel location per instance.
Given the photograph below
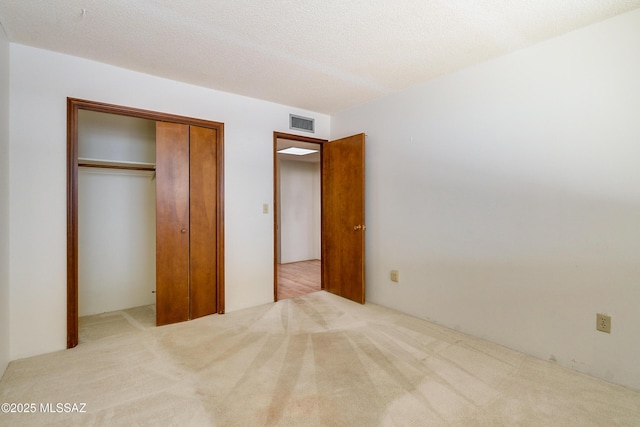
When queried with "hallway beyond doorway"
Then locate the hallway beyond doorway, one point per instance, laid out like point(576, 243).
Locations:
point(298, 278)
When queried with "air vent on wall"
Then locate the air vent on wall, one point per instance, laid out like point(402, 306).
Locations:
point(301, 123)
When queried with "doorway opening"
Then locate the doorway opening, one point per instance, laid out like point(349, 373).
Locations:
point(342, 241)
point(204, 183)
point(297, 215)
point(116, 224)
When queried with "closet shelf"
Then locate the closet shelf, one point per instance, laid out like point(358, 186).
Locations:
point(115, 164)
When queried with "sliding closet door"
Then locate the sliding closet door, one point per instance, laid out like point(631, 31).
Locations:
point(172, 223)
point(203, 211)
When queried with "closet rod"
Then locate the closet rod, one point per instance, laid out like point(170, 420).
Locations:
point(133, 168)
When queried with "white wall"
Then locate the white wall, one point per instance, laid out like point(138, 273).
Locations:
point(299, 211)
point(116, 240)
point(4, 204)
point(113, 137)
point(508, 196)
point(116, 215)
point(40, 83)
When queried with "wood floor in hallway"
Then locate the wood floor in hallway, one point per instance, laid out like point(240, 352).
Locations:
point(298, 278)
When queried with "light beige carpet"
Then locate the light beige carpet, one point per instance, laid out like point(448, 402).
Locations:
point(308, 361)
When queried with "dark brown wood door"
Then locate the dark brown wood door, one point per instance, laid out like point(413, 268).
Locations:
point(343, 225)
point(203, 210)
point(172, 223)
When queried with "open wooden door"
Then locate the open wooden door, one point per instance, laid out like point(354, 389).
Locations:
point(343, 225)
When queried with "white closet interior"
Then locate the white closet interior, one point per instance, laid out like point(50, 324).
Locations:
point(116, 213)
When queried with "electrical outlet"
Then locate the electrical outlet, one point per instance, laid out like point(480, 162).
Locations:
point(603, 323)
point(395, 276)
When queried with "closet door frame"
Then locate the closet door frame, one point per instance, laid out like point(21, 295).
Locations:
point(73, 106)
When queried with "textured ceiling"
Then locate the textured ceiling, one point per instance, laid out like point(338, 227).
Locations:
point(321, 55)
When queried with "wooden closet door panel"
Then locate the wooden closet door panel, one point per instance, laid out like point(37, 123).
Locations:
point(172, 223)
point(203, 212)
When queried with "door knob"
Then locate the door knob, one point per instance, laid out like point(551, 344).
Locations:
point(184, 230)
point(357, 227)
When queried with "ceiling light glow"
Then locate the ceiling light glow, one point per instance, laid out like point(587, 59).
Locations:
point(297, 151)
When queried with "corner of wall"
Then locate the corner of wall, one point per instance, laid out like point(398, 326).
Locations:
point(4, 205)
point(522, 174)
